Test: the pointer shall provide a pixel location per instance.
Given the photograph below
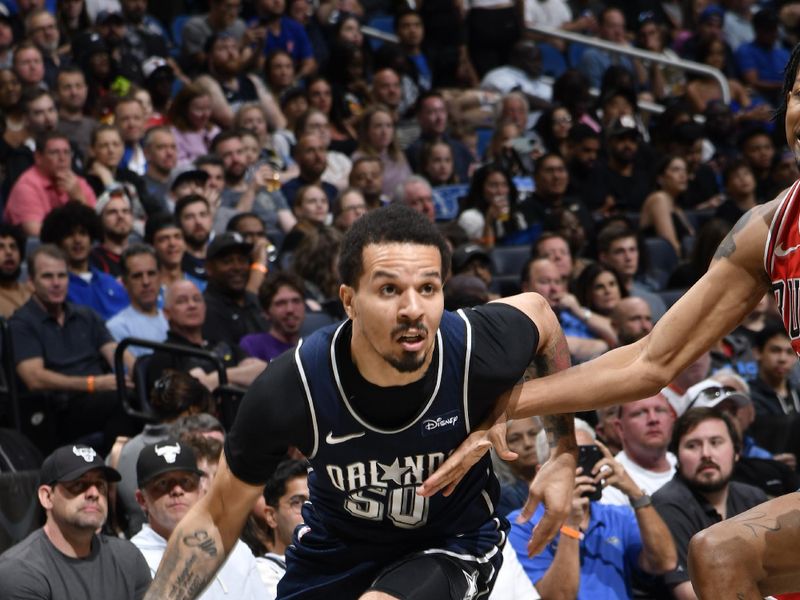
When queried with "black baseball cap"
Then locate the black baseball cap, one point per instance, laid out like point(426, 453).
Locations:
point(68, 463)
point(230, 241)
point(163, 457)
point(466, 252)
point(625, 126)
point(179, 177)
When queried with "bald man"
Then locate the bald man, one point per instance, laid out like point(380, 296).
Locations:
point(631, 319)
point(185, 310)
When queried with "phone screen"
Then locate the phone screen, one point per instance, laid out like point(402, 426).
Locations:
point(587, 458)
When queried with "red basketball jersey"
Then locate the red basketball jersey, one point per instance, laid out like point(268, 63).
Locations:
point(782, 262)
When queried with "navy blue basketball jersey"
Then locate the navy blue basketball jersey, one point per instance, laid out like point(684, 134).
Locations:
point(364, 479)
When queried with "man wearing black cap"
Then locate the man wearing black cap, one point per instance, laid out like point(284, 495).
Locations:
point(623, 183)
point(169, 485)
point(233, 312)
point(67, 558)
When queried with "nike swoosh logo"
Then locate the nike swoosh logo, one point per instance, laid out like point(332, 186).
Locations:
point(343, 438)
point(780, 252)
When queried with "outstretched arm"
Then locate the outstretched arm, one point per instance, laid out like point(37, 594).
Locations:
point(731, 288)
point(204, 537)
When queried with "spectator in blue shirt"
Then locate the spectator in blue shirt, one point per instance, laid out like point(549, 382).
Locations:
point(72, 228)
point(603, 544)
point(284, 33)
point(761, 62)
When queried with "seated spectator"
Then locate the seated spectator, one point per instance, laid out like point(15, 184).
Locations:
point(761, 62)
point(50, 183)
point(311, 156)
point(555, 247)
point(645, 429)
point(282, 300)
point(739, 182)
point(13, 294)
point(553, 128)
point(143, 318)
point(472, 259)
point(68, 553)
point(164, 235)
point(129, 118)
point(606, 428)
point(279, 72)
point(161, 153)
point(192, 128)
point(71, 94)
point(599, 289)
point(185, 310)
point(661, 214)
point(116, 224)
point(490, 213)
point(618, 248)
point(229, 85)
point(703, 191)
point(64, 349)
point(701, 493)
point(758, 150)
point(193, 216)
point(631, 320)
point(376, 137)
point(705, 246)
point(311, 209)
point(319, 95)
point(232, 311)
point(174, 396)
point(594, 61)
point(222, 17)
point(315, 122)
point(416, 193)
point(285, 493)
point(169, 486)
point(252, 116)
point(433, 122)
point(367, 177)
point(284, 33)
point(773, 391)
point(436, 164)
point(72, 228)
point(315, 261)
point(251, 228)
point(465, 291)
point(521, 439)
point(350, 207)
point(599, 569)
point(586, 334)
point(583, 148)
point(523, 73)
point(105, 173)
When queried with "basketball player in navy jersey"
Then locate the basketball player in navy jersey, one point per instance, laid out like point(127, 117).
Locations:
point(377, 403)
point(756, 553)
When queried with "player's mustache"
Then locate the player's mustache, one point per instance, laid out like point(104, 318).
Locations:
point(401, 329)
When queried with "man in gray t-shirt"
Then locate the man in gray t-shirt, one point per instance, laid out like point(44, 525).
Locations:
point(66, 559)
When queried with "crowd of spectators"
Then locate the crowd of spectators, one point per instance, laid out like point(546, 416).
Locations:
point(184, 172)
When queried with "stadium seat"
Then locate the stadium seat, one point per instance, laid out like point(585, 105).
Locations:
point(509, 260)
point(484, 136)
point(574, 53)
point(661, 255)
point(553, 62)
point(506, 285)
point(315, 320)
point(383, 23)
point(20, 512)
point(446, 200)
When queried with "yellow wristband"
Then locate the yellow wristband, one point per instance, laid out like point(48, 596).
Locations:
point(570, 532)
point(259, 267)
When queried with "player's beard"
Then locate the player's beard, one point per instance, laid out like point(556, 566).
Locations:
point(408, 362)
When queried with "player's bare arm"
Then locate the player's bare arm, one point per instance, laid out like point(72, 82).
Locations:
point(710, 309)
point(204, 537)
point(553, 485)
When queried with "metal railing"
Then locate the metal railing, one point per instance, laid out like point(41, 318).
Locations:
point(685, 65)
point(379, 34)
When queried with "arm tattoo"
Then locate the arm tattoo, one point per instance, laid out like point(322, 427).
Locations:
point(184, 572)
point(555, 357)
point(728, 245)
point(202, 540)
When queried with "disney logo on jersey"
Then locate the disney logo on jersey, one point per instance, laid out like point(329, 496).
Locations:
point(436, 424)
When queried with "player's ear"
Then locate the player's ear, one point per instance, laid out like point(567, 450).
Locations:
point(269, 516)
point(346, 294)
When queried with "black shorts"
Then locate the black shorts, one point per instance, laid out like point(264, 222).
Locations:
point(323, 566)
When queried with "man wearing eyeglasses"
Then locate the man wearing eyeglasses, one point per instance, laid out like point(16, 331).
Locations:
point(49, 183)
point(169, 485)
point(284, 495)
point(67, 558)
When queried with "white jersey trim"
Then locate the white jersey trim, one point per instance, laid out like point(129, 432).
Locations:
point(304, 379)
point(788, 198)
point(353, 413)
point(467, 360)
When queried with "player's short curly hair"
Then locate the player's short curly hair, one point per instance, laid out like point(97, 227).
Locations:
point(789, 75)
point(393, 224)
